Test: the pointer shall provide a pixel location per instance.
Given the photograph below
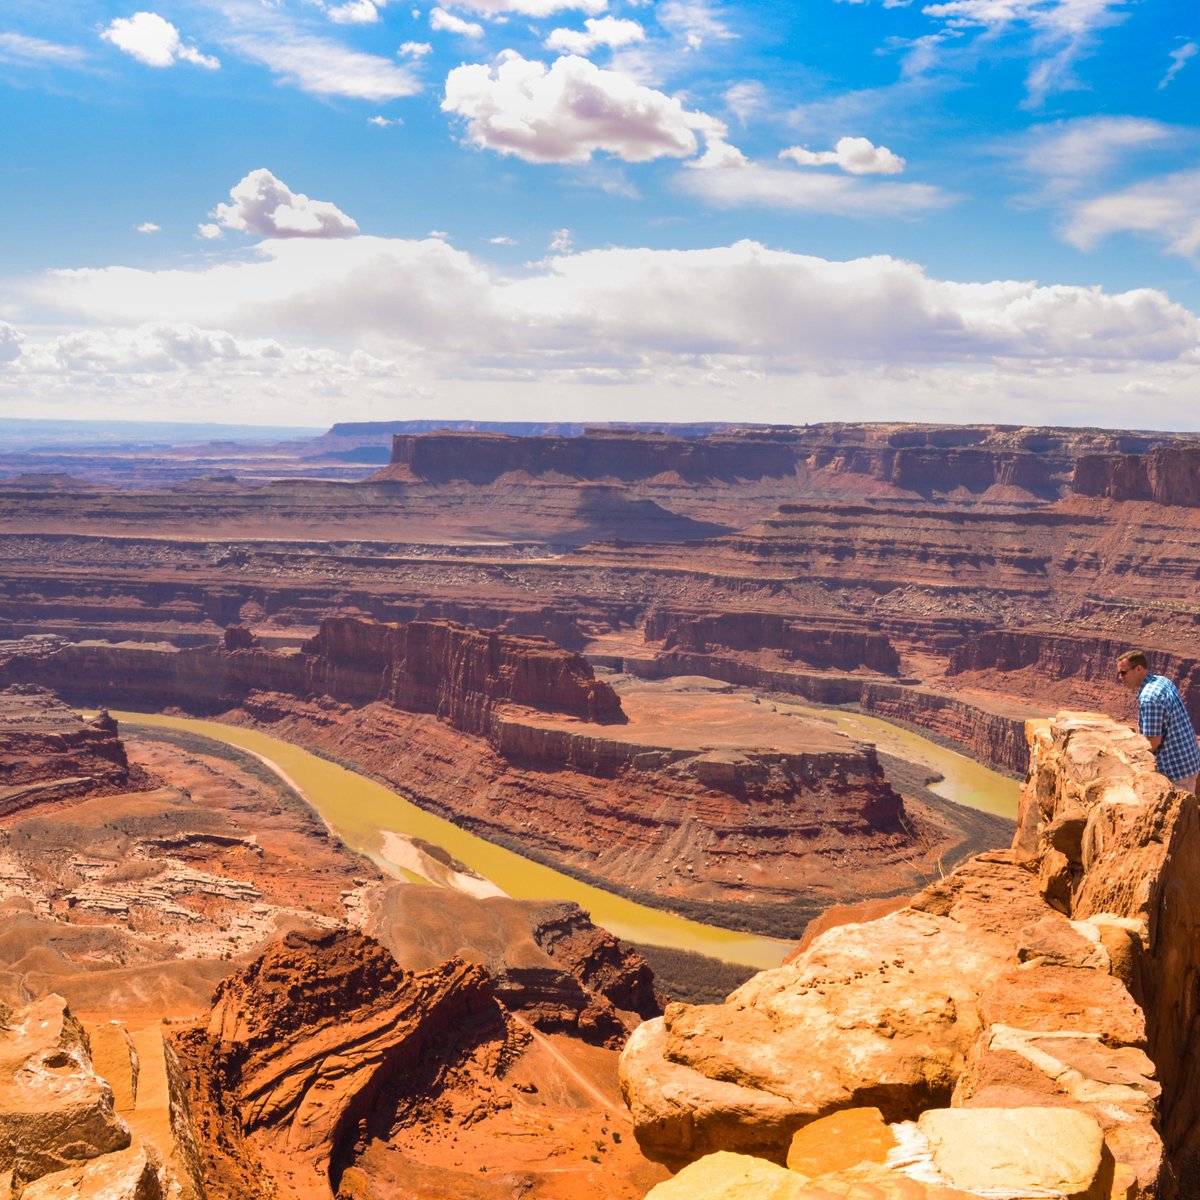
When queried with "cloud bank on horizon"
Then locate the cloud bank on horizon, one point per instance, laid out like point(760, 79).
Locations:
point(319, 210)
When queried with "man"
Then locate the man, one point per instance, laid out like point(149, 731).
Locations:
point(1163, 719)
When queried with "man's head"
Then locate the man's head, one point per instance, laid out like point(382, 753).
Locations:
point(1132, 669)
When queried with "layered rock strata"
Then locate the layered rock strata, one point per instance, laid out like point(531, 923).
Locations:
point(688, 794)
point(47, 752)
point(324, 1068)
point(1059, 974)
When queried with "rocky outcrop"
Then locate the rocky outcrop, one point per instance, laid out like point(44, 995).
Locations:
point(61, 1134)
point(321, 1038)
point(1060, 974)
point(55, 1111)
point(47, 752)
point(458, 673)
point(1164, 475)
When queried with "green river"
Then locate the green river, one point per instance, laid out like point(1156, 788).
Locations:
point(367, 816)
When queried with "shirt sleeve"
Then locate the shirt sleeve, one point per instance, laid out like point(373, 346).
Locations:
point(1152, 718)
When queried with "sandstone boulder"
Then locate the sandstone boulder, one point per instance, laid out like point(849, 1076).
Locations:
point(55, 1112)
point(129, 1174)
point(879, 1014)
point(1020, 1151)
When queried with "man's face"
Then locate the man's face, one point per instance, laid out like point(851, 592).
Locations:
point(1130, 676)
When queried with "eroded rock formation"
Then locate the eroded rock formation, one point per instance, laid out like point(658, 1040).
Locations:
point(1059, 974)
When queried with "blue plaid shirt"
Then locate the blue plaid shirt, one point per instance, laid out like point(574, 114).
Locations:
point(1161, 714)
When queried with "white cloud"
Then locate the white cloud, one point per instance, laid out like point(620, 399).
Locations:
point(571, 110)
point(1069, 155)
point(383, 122)
point(495, 9)
point(1166, 209)
point(415, 49)
point(694, 21)
point(353, 12)
point(503, 240)
point(31, 51)
point(854, 155)
point(1063, 32)
point(266, 206)
point(440, 235)
point(1179, 59)
point(443, 22)
point(560, 242)
point(149, 227)
point(746, 99)
point(154, 41)
point(780, 311)
point(747, 183)
point(10, 343)
point(209, 232)
point(597, 31)
point(317, 65)
point(719, 156)
point(741, 329)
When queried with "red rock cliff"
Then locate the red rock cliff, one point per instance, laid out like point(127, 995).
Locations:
point(804, 641)
point(1165, 475)
point(458, 673)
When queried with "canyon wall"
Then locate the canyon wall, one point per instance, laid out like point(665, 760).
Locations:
point(696, 803)
point(994, 737)
point(825, 644)
point(460, 674)
point(1060, 974)
point(1029, 661)
point(1164, 475)
point(47, 752)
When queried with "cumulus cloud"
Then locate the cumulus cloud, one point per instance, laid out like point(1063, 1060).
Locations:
point(570, 111)
point(778, 311)
point(502, 240)
point(1179, 59)
point(383, 122)
point(854, 155)
point(444, 22)
point(153, 40)
point(209, 232)
point(149, 227)
point(266, 206)
point(21, 50)
point(1166, 209)
point(415, 49)
point(597, 31)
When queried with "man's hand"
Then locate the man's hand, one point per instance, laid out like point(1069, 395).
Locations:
point(1155, 742)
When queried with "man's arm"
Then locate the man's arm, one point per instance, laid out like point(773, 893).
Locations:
point(1155, 742)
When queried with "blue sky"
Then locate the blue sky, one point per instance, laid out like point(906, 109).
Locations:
point(303, 211)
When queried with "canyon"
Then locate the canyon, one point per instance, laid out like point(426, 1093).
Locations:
point(601, 648)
